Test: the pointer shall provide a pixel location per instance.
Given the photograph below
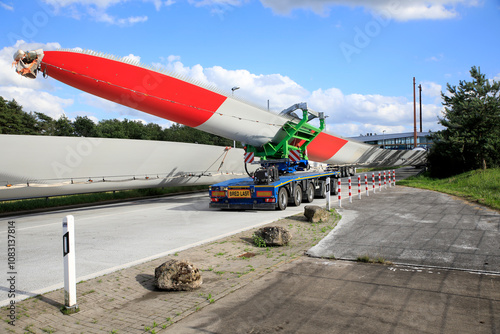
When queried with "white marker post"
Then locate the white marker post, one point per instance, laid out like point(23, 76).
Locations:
point(70, 305)
point(327, 191)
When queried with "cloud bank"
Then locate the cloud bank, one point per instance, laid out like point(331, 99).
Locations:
point(400, 10)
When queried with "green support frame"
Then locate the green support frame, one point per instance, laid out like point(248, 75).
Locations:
point(297, 137)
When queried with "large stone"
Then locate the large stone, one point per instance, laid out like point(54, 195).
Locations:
point(177, 275)
point(274, 235)
point(315, 214)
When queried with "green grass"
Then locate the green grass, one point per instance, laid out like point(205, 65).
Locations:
point(40, 203)
point(478, 186)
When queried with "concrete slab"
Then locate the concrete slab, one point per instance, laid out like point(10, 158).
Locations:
point(324, 296)
point(415, 226)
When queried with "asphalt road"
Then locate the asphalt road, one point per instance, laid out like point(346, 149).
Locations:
point(111, 237)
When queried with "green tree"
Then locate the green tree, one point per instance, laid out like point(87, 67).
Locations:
point(154, 132)
point(134, 129)
point(471, 138)
point(45, 125)
point(64, 127)
point(13, 120)
point(111, 128)
point(85, 127)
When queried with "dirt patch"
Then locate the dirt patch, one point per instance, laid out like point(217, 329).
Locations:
point(247, 255)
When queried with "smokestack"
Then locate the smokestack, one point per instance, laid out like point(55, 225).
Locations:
point(420, 100)
point(414, 116)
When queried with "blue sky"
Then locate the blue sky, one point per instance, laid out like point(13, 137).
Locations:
point(354, 60)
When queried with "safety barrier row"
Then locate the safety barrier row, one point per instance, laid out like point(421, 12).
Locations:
point(391, 181)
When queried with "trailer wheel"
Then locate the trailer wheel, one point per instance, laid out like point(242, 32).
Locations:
point(320, 192)
point(334, 190)
point(309, 194)
point(282, 199)
point(297, 195)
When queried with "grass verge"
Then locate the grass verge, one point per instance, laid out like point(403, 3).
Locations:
point(81, 199)
point(478, 186)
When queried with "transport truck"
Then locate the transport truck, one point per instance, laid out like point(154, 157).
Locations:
point(284, 177)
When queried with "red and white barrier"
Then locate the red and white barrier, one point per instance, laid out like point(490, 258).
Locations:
point(366, 185)
point(340, 195)
point(359, 186)
point(394, 177)
point(379, 183)
point(350, 192)
point(373, 182)
point(385, 182)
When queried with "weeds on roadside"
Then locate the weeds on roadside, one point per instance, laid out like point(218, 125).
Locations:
point(258, 241)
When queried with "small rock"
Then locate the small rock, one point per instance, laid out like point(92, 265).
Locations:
point(274, 235)
point(315, 214)
point(177, 275)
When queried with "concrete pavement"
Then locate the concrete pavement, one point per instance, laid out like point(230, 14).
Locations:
point(417, 227)
point(324, 296)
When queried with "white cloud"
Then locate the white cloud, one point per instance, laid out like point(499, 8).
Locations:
point(132, 58)
point(398, 10)
point(201, 3)
point(100, 15)
point(218, 7)
point(6, 6)
point(431, 89)
point(36, 100)
point(96, 10)
point(437, 58)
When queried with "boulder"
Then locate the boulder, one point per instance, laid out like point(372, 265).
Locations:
point(315, 214)
point(274, 235)
point(177, 275)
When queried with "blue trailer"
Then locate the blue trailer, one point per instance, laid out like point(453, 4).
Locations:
point(252, 193)
point(283, 177)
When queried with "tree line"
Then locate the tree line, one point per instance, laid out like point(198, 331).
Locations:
point(14, 120)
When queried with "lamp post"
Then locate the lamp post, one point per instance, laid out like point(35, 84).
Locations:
point(383, 138)
point(232, 92)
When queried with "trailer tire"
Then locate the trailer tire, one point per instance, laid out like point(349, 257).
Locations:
point(282, 199)
point(320, 192)
point(309, 193)
point(334, 190)
point(297, 195)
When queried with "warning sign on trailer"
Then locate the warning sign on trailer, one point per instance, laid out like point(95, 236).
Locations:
point(249, 157)
point(294, 155)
